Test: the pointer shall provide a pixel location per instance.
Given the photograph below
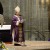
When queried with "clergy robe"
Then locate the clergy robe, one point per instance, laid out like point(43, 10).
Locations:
point(18, 29)
point(1, 8)
point(1, 15)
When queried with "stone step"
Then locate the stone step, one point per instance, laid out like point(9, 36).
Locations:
point(31, 45)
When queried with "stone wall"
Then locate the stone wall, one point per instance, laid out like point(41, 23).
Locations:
point(35, 15)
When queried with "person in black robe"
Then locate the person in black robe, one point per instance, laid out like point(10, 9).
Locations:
point(1, 15)
point(1, 19)
point(1, 9)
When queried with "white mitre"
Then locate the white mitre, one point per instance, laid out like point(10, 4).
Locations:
point(17, 9)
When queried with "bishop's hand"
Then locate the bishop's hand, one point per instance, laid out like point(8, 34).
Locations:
point(22, 21)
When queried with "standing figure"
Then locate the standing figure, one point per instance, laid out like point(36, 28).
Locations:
point(1, 19)
point(17, 28)
point(1, 9)
point(1, 15)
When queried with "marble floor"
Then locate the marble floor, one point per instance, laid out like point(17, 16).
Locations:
point(31, 45)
